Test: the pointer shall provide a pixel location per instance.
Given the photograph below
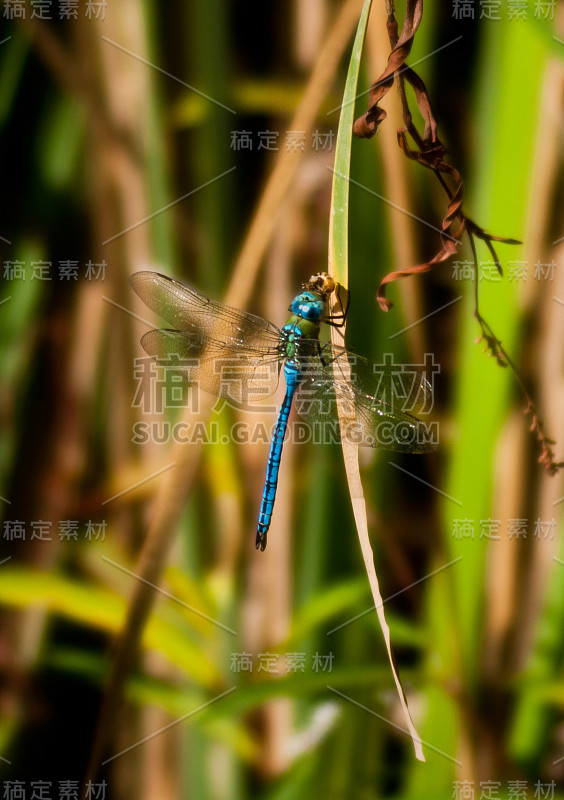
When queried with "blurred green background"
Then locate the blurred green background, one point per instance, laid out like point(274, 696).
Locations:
point(138, 135)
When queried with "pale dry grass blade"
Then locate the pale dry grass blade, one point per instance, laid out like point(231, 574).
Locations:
point(338, 267)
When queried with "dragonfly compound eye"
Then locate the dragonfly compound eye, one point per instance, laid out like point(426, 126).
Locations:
point(308, 306)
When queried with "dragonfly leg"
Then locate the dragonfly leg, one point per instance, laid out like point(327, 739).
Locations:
point(338, 320)
point(325, 361)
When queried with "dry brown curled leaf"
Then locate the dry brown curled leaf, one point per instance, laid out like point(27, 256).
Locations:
point(366, 126)
point(430, 153)
point(455, 223)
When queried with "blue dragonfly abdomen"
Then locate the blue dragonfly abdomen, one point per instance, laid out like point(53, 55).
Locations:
point(292, 376)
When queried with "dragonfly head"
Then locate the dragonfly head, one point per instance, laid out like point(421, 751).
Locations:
point(321, 283)
point(308, 305)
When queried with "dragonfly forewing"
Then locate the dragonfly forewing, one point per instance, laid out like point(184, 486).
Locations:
point(188, 310)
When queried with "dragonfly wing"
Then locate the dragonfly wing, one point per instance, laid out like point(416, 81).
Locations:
point(188, 310)
point(400, 387)
point(375, 396)
point(220, 368)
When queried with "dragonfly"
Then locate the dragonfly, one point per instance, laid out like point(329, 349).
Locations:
point(239, 356)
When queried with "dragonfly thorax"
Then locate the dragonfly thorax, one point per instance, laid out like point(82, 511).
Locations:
point(308, 311)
